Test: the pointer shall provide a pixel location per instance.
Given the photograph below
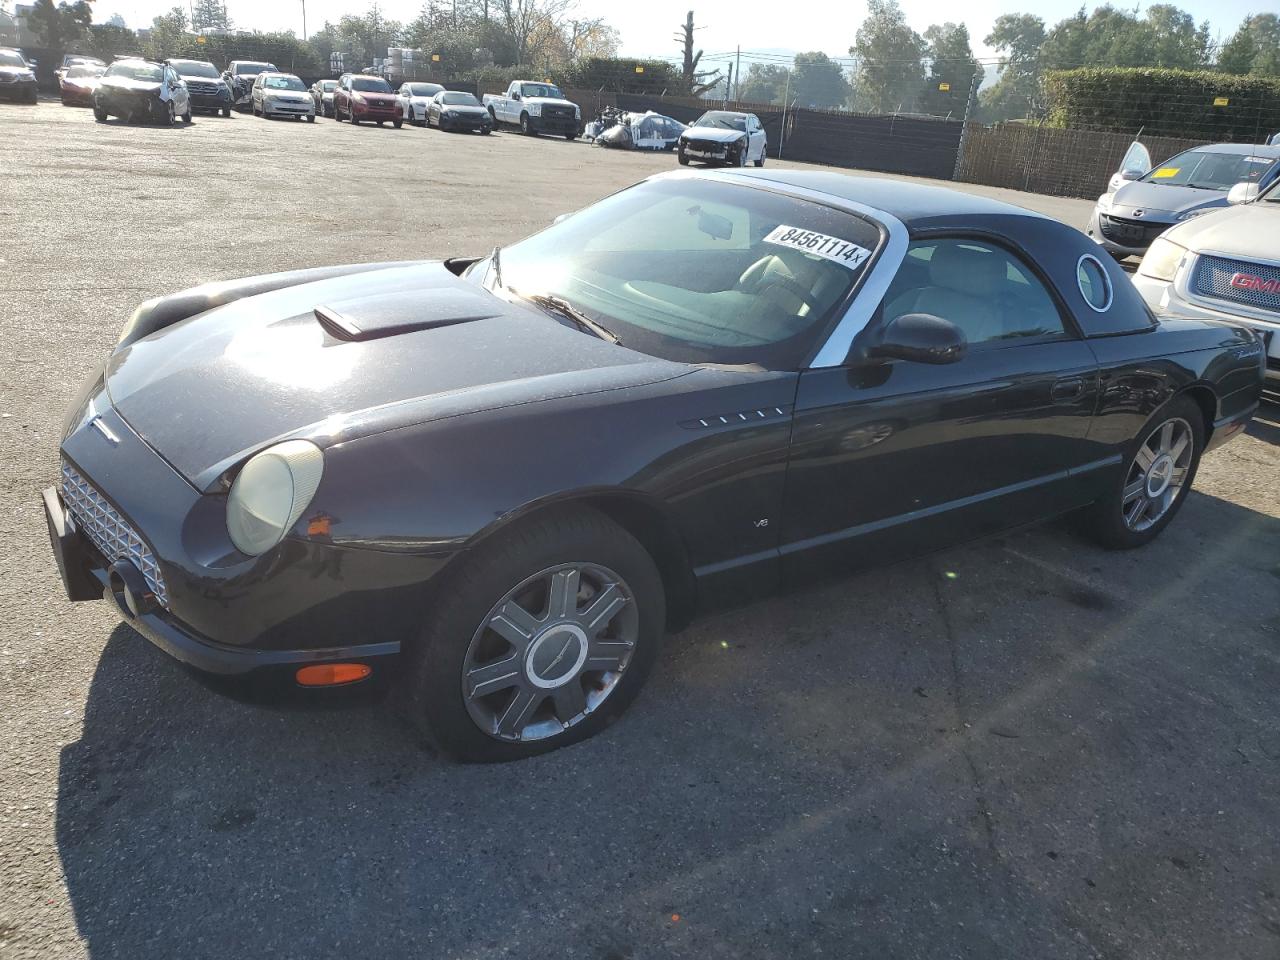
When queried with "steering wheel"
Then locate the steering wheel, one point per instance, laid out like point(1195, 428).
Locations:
point(753, 279)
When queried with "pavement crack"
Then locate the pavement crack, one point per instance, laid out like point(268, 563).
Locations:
point(962, 714)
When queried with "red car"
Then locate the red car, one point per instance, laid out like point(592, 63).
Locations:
point(77, 82)
point(362, 97)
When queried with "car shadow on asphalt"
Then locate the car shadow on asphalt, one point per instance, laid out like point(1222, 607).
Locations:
point(1023, 747)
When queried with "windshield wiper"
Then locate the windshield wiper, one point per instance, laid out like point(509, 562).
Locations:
point(567, 310)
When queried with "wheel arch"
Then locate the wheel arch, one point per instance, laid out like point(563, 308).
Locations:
point(1204, 397)
point(642, 516)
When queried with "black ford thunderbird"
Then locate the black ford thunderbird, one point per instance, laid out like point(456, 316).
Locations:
point(497, 482)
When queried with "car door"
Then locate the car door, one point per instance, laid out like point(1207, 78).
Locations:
point(1136, 162)
point(181, 96)
point(757, 141)
point(895, 457)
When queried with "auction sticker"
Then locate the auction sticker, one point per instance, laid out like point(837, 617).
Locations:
point(1165, 172)
point(820, 245)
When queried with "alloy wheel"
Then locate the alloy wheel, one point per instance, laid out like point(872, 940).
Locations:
point(550, 652)
point(1157, 474)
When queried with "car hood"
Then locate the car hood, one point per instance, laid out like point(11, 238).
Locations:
point(298, 95)
point(1246, 231)
point(383, 98)
point(13, 71)
point(464, 109)
point(128, 84)
point(715, 134)
point(549, 102)
point(1162, 202)
point(215, 388)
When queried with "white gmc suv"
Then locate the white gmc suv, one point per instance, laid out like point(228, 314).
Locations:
point(1223, 264)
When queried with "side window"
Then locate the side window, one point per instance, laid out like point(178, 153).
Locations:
point(985, 290)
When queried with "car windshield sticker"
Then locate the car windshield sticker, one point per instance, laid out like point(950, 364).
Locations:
point(819, 245)
point(1262, 160)
point(1164, 172)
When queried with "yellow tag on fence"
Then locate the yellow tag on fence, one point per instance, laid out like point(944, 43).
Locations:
point(1165, 172)
point(1221, 101)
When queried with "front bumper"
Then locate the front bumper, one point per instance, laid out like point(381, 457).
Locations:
point(210, 101)
point(76, 96)
point(19, 90)
point(1169, 299)
point(1119, 240)
point(557, 126)
point(306, 601)
point(279, 109)
point(465, 123)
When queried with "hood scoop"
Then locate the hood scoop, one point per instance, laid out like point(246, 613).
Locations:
point(391, 314)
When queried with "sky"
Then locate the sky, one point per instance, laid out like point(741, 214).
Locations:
point(648, 28)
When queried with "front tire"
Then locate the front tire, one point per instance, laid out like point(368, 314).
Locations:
point(99, 114)
point(525, 126)
point(396, 123)
point(1157, 476)
point(540, 638)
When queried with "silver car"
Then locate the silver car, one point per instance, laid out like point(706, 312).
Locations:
point(282, 95)
point(1143, 201)
point(414, 98)
point(1225, 265)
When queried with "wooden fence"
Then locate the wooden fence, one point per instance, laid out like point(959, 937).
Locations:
point(1060, 162)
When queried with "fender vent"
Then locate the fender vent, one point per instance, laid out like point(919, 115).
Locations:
point(738, 417)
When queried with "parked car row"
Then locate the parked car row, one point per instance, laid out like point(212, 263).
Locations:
point(1206, 224)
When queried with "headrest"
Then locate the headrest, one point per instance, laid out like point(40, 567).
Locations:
point(968, 270)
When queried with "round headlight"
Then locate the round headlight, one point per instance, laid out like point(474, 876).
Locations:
point(270, 493)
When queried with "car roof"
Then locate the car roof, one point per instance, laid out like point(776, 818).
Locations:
point(1245, 149)
point(909, 202)
point(154, 63)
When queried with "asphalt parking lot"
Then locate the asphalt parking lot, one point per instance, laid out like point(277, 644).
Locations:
point(1023, 748)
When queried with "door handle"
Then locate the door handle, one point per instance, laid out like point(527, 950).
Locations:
point(1068, 388)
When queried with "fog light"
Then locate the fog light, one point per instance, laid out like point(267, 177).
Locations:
point(332, 674)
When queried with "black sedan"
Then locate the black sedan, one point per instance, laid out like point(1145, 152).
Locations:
point(458, 110)
point(496, 482)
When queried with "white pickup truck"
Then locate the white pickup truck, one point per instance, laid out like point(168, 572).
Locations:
point(536, 108)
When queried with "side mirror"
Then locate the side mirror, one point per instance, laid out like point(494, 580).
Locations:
point(919, 338)
point(1242, 193)
point(1130, 175)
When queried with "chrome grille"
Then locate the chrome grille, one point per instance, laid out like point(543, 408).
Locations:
point(1213, 278)
point(111, 533)
point(202, 88)
point(706, 146)
point(1123, 230)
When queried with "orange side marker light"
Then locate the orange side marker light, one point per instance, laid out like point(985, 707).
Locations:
point(332, 674)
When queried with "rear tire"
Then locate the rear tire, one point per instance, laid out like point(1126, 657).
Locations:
point(187, 118)
point(1142, 502)
point(580, 549)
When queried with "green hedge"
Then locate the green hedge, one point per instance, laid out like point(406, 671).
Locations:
point(1171, 103)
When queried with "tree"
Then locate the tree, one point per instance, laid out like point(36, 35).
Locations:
point(764, 83)
point(106, 40)
point(115, 20)
point(693, 83)
point(889, 54)
point(522, 22)
point(168, 33)
point(818, 81)
point(951, 64)
point(1254, 48)
point(1019, 36)
point(209, 15)
point(57, 26)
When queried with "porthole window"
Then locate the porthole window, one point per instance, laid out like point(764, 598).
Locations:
point(1095, 285)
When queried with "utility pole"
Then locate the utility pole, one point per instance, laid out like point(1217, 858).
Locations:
point(304, 19)
point(737, 73)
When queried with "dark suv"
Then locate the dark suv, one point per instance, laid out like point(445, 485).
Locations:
point(208, 91)
point(239, 77)
point(17, 77)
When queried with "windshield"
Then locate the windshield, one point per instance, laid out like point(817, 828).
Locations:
point(328, 86)
point(1210, 170)
point(459, 99)
point(135, 70)
point(422, 89)
point(371, 85)
point(283, 83)
point(193, 68)
point(84, 70)
point(700, 272)
point(10, 59)
point(541, 90)
point(251, 69)
point(722, 120)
